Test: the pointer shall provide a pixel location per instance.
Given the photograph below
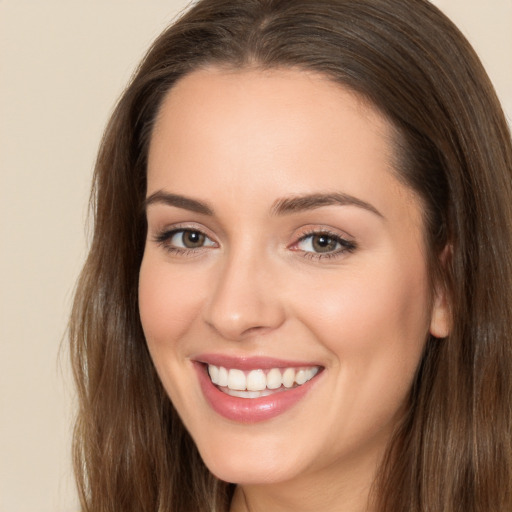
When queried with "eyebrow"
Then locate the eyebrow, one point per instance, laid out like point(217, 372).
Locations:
point(310, 202)
point(284, 206)
point(178, 201)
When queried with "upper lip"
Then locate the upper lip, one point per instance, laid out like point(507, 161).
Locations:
point(252, 362)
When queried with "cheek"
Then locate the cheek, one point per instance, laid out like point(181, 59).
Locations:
point(168, 305)
point(168, 301)
point(364, 301)
point(374, 326)
point(374, 322)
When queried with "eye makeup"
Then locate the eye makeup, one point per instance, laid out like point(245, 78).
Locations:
point(316, 243)
point(320, 243)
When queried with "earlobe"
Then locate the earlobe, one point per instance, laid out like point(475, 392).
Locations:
point(441, 317)
point(440, 320)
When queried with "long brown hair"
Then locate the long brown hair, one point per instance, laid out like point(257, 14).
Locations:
point(453, 449)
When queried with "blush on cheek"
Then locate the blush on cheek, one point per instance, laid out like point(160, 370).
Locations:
point(154, 303)
point(383, 308)
point(168, 300)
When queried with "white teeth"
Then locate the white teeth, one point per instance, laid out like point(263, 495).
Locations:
point(214, 373)
point(312, 372)
point(274, 379)
point(237, 380)
point(223, 377)
point(247, 394)
point(300, 377)
point(257, 383)
point(288, 377)
point(256, 380)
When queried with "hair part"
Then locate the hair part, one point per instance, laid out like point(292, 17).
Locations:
point(452, 451)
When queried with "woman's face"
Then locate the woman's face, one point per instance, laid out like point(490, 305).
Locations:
point(282, 256)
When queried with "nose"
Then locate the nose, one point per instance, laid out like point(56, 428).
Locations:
point(245, 298)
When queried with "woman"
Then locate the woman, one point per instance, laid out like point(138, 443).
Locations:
point(298, 291)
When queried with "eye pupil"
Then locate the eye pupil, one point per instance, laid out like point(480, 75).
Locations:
point(324, 243)
point(193, 239)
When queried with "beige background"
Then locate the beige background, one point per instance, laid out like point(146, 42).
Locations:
point(62, 65)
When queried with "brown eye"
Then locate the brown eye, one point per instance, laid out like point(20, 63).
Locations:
point(192, 239)
point(180, 239)
point(323, 243)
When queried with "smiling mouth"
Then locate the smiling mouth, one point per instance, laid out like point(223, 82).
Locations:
point(259, 383)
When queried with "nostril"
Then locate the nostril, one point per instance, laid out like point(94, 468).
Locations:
point(234, 331)
point(260, 329)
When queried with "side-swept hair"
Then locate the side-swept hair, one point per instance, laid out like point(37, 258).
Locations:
point(453, 451)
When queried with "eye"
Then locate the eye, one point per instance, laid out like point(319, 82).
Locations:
point(184, 239)
point(324, 243)
point(320, 242)
point(189, 239)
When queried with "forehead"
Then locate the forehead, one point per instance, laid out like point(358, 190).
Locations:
point(273, 98)
point(275, 132)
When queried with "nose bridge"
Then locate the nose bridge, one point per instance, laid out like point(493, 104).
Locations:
point(244, 297)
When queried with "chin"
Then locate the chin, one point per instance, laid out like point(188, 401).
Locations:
point(241, 473)
point(247, 462)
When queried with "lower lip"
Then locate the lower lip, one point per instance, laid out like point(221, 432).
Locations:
point(249, 410)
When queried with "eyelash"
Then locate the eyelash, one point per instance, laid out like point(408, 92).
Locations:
point(346, 246)
point(164, 238)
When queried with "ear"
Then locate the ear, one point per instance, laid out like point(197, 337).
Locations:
point(441, 318)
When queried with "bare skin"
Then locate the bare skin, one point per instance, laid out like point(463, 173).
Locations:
point(239, 267)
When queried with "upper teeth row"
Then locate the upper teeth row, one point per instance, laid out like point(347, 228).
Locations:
point(258, 380)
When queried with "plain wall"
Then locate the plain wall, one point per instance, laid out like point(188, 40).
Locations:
point(63, 63)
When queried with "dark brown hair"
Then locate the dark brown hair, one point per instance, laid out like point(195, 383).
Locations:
point(453, 449)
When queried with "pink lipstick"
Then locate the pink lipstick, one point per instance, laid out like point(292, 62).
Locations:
point(250, 390)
